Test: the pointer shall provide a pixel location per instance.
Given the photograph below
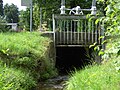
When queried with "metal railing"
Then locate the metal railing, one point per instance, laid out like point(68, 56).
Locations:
point(76, 30)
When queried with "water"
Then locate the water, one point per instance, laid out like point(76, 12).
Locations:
point(57, 83)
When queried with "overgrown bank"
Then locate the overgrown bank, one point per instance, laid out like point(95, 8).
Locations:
point(99, 77)
point(102, 77)
point(107, 75)
point(25, 56)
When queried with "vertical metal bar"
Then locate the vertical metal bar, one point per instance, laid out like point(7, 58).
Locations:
point(96, 33)
point(62, 2)
point(99, 32)
point(64, 31)
point(85, 31)
point(62, 7)
point(93, 8)
point(57, 31)
point(60, 21)
point(103, 30)
point(94, 3)
point(67, 33)
point(74, 32)
point(53, 17)
point(31, 15)
point(92, 31)
point(81, 30)
point(78, 26)
point(89, 28)
point(71, 31)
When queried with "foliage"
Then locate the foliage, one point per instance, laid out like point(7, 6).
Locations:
point(24, 22)
point(112, 27)
point(112, 24)
point(36, 16)
point(106, 76)
point(3, 27)
point(1, 7)
point(49, 8)
point(29, 52)
point(102, 77)
point(11, 13)
point(14, 79)
point(113, 17)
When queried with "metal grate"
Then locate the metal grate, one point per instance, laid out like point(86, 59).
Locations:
point(76, 30)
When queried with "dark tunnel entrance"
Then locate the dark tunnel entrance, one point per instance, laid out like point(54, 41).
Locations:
point(69, 58)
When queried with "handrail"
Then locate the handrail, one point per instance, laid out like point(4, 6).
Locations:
point(76, 30)
point(77, 9)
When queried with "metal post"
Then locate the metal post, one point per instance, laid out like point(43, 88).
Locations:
point(62, 2)
point(93, 12)
point(62, 7)
point(53, 17)
point(31, 15)
point(94, 3)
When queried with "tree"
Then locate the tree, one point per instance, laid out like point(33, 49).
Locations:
point(24, 21)
point(1, 7)
point(11, 13)
point(3, 25)
point(49, 8)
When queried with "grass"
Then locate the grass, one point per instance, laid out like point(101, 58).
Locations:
point(28, 51)
point(99, 77)
point(27, 59)
point(102, 77)
point(14, 79)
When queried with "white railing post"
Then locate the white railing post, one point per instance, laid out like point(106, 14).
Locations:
point(93, 8)
point(53, 17)
point(62, 7)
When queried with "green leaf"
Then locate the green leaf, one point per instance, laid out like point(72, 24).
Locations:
point(118, 53)
point(101, 37)
point(101, 52)
point(96, 22)
point(93, 45)
point(104, 41)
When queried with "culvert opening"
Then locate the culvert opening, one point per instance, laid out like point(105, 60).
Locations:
point(69, 58)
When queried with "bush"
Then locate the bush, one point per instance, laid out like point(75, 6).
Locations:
point(14, 79)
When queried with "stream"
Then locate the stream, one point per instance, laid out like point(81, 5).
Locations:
point(57, 83)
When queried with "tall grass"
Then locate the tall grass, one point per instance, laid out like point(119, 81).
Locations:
point(14, 79)
point(98, 77)
point(28, 51)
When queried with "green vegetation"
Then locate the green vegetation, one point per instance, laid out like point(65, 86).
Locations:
point(2, 26)
point(48, 9)
point(14, 79)
point(107, 75)
point(99, 77)
point(11, 13)
point(26, 56)
point(102, 77)
point(1, 7)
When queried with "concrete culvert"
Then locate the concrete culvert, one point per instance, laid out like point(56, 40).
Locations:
point(69, 58)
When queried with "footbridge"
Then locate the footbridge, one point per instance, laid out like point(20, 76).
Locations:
point(77, 30)
point(73, 33)
point(73, 28)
